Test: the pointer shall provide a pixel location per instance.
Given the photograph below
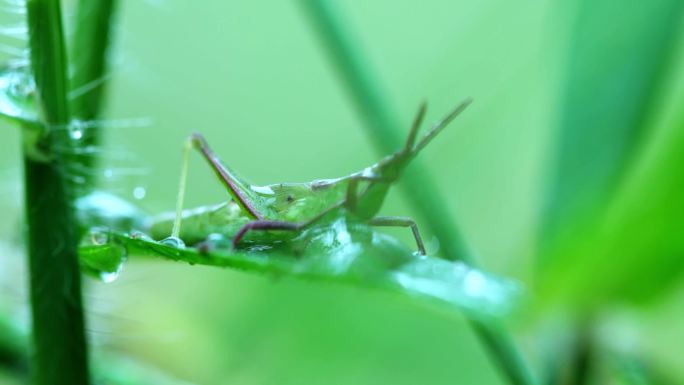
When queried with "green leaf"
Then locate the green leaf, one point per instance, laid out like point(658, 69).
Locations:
point(631, 369)
point(616, 67)
point(339, 251)
point(610, 223)
point(644, 243)
point(634, 252)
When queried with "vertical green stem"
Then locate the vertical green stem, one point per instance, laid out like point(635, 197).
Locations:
point(59, 343)
point(419, 188)
point(89, 59)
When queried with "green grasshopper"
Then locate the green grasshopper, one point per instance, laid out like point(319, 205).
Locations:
point(294, 207)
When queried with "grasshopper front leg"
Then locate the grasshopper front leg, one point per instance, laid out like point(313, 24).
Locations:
point(401, 222)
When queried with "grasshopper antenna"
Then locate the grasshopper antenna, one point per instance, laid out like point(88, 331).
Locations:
point(411, 139)
point(175, 232)
point(439, 126)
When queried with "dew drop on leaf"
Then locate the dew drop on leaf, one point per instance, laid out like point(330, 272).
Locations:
point(141, 236)
point(100, 256)
point(139, 192)
point(217, 241)
point(76, 129)
point(17, 90)
point(96, 237)
point(173, 242)
point(111, 276)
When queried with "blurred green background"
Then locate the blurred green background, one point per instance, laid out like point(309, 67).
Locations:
point(252, 76)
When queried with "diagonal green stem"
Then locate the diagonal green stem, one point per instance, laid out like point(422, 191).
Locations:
point(59, 343)
point(418, 186)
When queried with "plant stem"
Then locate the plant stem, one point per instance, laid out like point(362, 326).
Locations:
point(60, 355)
point(89, 59)
point(418, 186)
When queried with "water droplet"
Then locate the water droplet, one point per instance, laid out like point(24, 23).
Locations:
point(17, 91)
point(258, 248)
point(219, 241)
point(96, 236)
point(111, 276)
point(215, 237)
point(173, 242)
point(142, 236)
point(21, 85)
point(475, 283)
point(100, 256)
point(76, 129)
point(266, 190)
point(139, 192)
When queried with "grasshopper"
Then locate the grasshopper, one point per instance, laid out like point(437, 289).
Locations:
point(294, 207)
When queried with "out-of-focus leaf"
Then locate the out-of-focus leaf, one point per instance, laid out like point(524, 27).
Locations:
point(616, 65)
point(636, 251)
point(349, 253)
point(645, 238)
point(630, 369)
point(610, 222)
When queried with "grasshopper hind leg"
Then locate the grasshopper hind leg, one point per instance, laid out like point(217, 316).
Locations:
point(237, 187)
point(401, 222)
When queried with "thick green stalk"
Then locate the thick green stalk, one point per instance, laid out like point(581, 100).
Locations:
point(419, 188)
point(89, 59)
point(59, 344)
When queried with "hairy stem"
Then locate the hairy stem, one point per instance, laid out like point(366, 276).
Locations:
point(59, 343)
point(418, 186)
point(89, 59)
